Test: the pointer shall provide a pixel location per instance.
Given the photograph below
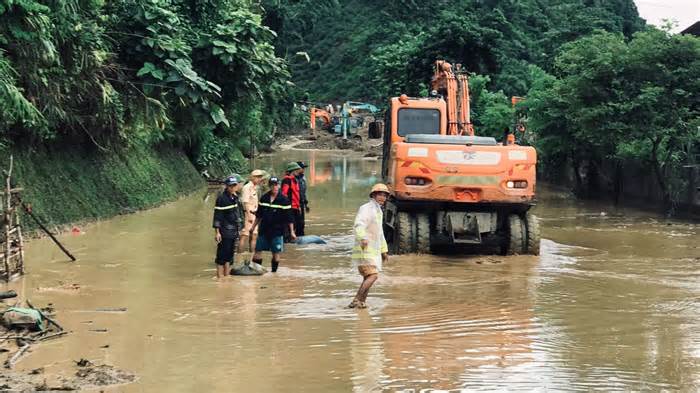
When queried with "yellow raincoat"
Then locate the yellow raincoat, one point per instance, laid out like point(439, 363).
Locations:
point(368, 226)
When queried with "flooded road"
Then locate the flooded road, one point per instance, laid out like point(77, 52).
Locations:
point(613, 303)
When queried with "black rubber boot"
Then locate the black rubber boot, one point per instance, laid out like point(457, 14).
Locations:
point(259, 261)
point(274, 265)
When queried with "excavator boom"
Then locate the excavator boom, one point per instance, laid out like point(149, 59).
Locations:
point(454, 87)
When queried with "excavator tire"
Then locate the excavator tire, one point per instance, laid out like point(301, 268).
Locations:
point(422, 233)
point(404, 230)
point(533, 234)
point(375, 130)
point(517, 234)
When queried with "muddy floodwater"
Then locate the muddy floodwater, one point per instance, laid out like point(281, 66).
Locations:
point(613, 303)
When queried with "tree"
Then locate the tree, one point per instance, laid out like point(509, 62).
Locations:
point(616, 100)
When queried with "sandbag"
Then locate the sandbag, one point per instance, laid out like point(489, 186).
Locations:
point(7, 294)
point(248, 269)
point(310, 239)
point(19, 318)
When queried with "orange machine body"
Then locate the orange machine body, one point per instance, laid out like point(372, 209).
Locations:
point(322, 114)
point(448, 186)
point(452, 172)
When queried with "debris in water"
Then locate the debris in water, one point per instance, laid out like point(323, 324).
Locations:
point(310, 239)
point(8, 294)
point(111, 309)
point(248, 269)
point(83, 363)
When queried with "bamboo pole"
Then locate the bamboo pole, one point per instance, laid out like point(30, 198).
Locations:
point(21, 244)
point(43, 228)
point(8, 221)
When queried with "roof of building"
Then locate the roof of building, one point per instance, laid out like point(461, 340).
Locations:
point(694, 29)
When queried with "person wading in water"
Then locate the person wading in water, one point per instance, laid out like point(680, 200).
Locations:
point(274, 216)
point(249, 199)
point(370, 249)
point(290, 189)
point(226, 219)
point(300, 220)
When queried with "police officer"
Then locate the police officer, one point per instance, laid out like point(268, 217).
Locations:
point(300, 220)
point(274, 216)
point(226, 224)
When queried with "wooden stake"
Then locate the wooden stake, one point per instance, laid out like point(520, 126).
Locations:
point(21, 244)
point(43, 228)
point(8, 221)
point(11, 361)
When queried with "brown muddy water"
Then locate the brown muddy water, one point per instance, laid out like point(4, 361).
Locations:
point(612, 303)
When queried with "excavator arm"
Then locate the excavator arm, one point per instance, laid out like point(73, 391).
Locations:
point(454, 87)
point(323, 115)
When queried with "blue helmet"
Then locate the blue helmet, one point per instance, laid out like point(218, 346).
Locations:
point(233, 179)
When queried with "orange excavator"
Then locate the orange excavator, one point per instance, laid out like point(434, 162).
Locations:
point(322, 114)
point(449, 187)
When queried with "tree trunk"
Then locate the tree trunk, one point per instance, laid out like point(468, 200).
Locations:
point(659, 174)
point(576, 166)
point(617, 182)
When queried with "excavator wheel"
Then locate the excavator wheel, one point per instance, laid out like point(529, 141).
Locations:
point(404, 233)
point(533, 234)
point(517, 235)
point(375, 130)
point(422, 233)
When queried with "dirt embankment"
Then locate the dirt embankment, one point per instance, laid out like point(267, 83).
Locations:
point(324, 140)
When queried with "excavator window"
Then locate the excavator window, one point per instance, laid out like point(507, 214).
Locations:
point(418, 121)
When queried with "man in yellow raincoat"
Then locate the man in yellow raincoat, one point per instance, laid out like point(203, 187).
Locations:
point(370, 249)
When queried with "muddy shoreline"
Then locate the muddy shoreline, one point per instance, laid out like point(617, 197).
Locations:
point(19, 341)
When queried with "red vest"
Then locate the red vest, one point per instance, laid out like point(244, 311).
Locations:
point(290, 189)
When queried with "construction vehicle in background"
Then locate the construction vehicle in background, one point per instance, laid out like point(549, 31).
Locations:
point(449, 187)
point(322, 114)
point(352, 117)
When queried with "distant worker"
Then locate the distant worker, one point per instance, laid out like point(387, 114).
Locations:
point(290, 189)
point(226, 221)
point(506, 132)
point(274, 216)
point(300, 224)
point(249, 199)
point(370, 249)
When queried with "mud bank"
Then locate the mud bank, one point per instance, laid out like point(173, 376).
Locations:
point(323, 140)
point(85, 375)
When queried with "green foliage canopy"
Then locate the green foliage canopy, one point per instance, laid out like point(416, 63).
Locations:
point(145, 72)
point(616, 99)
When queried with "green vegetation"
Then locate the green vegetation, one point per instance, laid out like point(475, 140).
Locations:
point(371, 50)
point(199, 75)
point(79, 183)
point(615, 100)
point(107, 106)
point(207, 78)
point(603, 89)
